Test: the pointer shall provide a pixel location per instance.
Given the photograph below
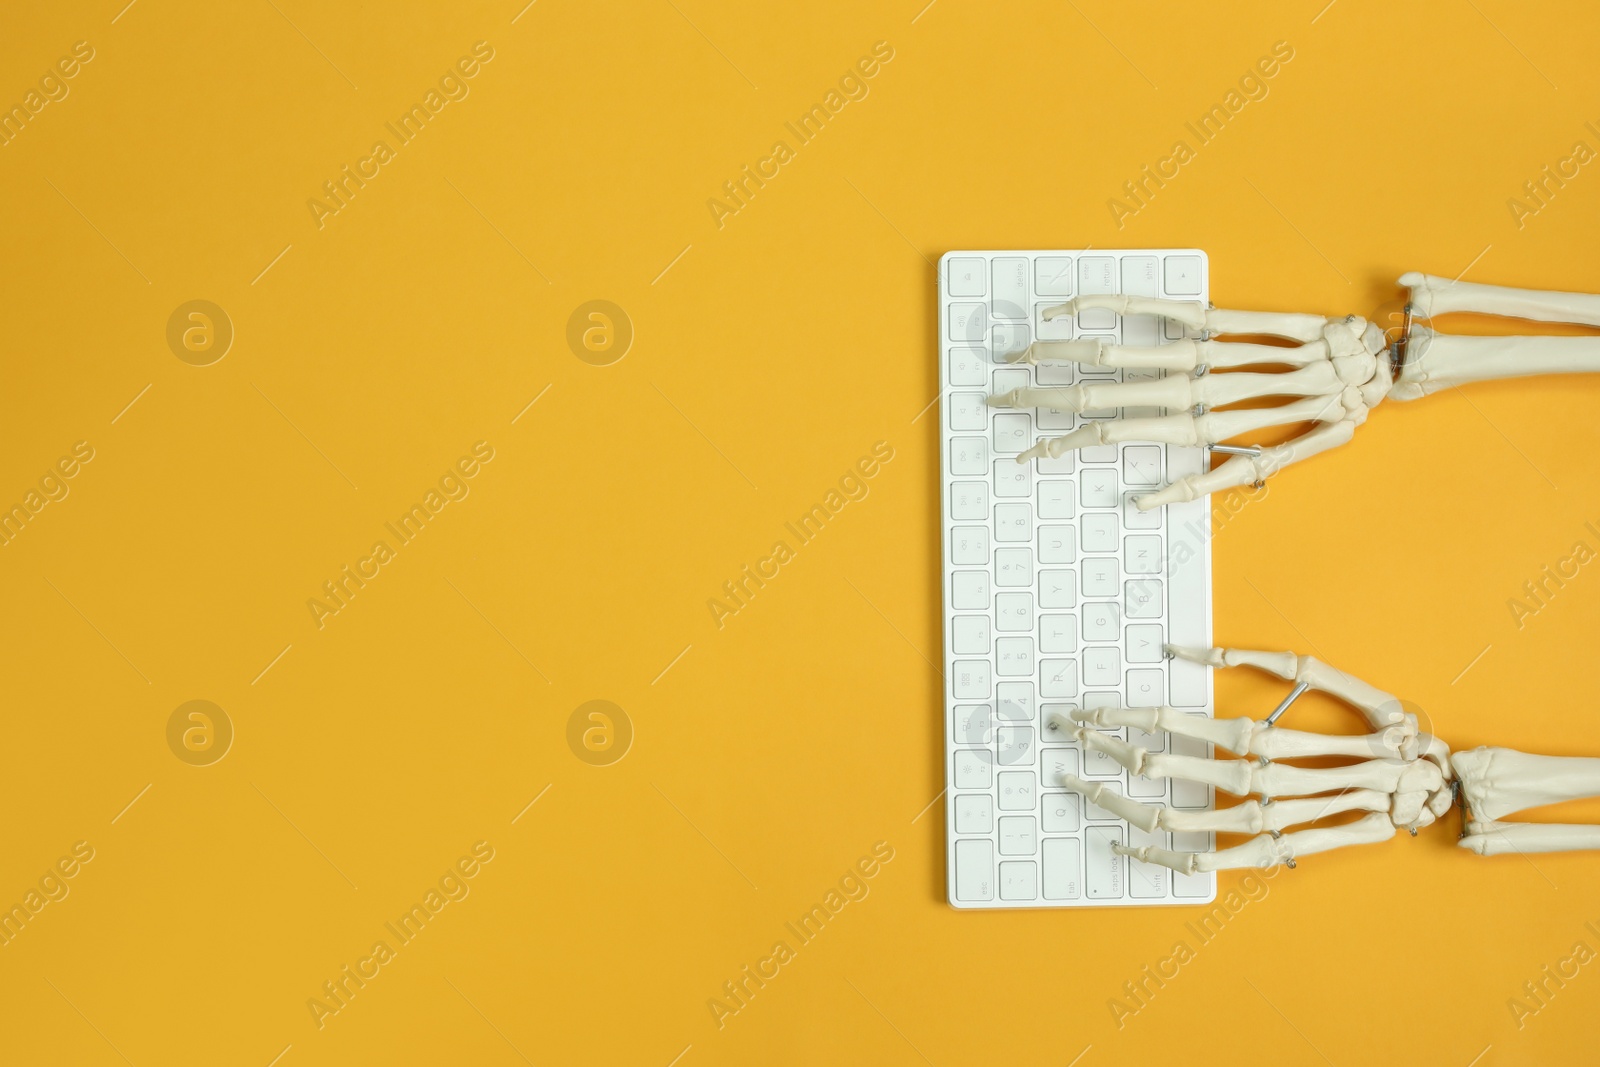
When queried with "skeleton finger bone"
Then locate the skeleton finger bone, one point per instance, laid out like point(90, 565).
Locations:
point(1207, 429)
point(1379, 707)
point(1431, 295)
point(1264, 852)
point(1241, 777)
point(1247, 737)
point(1246, 817)
point(1250, 470)
point(1212, 390)
point(1289, 325)
point(1184, 354)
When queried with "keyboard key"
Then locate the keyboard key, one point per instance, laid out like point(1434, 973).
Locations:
point(1146, 880)
point(1012, 434)
point(968, 366)
point(1063, 868)
point(1013, 522)
point(1060, 813)
point(1014, 657)
point(974, 813)
point(1010, 300)
point(1098, 531)
point(1059, 678)
point(1017, 791)
point(963, 276)
point(974, 724)
point(1102, 665)
point(969, 590)
point(1013, 612)
point(1099, 487)
point(1096, 275)
point(971, 680)
point(1057, 329)
point(974, 768)
point(969, 546)
point(968, 322)
point(1012, 479)
point(1142, 554)
point(1139, 276)
point(1057, 544)
point(1183, 275)
point(969, 500)
point(1055, 589)
point(1141, 464)
point(1019, 880)
point(1102, 620)
point(1005, 338)
point(1150, 790)
point(1052, 276)
point(969, 635)
point(1013, 567)
point(975, 870)
point(968, 411)
point(1016, 746)
point(1106, 870)
point(1142, 599)
point(1015, 701)
point(1057, 761)
point(1055, 499)
point(1134, 519)
point(1191, 885)
point(1058, 633)
point(1058, 465)
point(1146, 689)
point(1018, 836)
point(969, 455)
point(1100, 576)
point(1142, 644)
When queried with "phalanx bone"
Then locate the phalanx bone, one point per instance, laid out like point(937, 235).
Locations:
point(1340, 369)
point(1400, 777)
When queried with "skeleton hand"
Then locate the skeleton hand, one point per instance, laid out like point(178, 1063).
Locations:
point(1402, 778)
point(1342, 368)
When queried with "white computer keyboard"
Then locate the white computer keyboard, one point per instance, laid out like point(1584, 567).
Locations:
point(1058, 593)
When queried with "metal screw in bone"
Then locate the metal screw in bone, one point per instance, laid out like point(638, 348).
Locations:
point(1294, 694)
point(1253, 451)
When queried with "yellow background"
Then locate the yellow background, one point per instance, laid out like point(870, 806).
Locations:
point(769, 355)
